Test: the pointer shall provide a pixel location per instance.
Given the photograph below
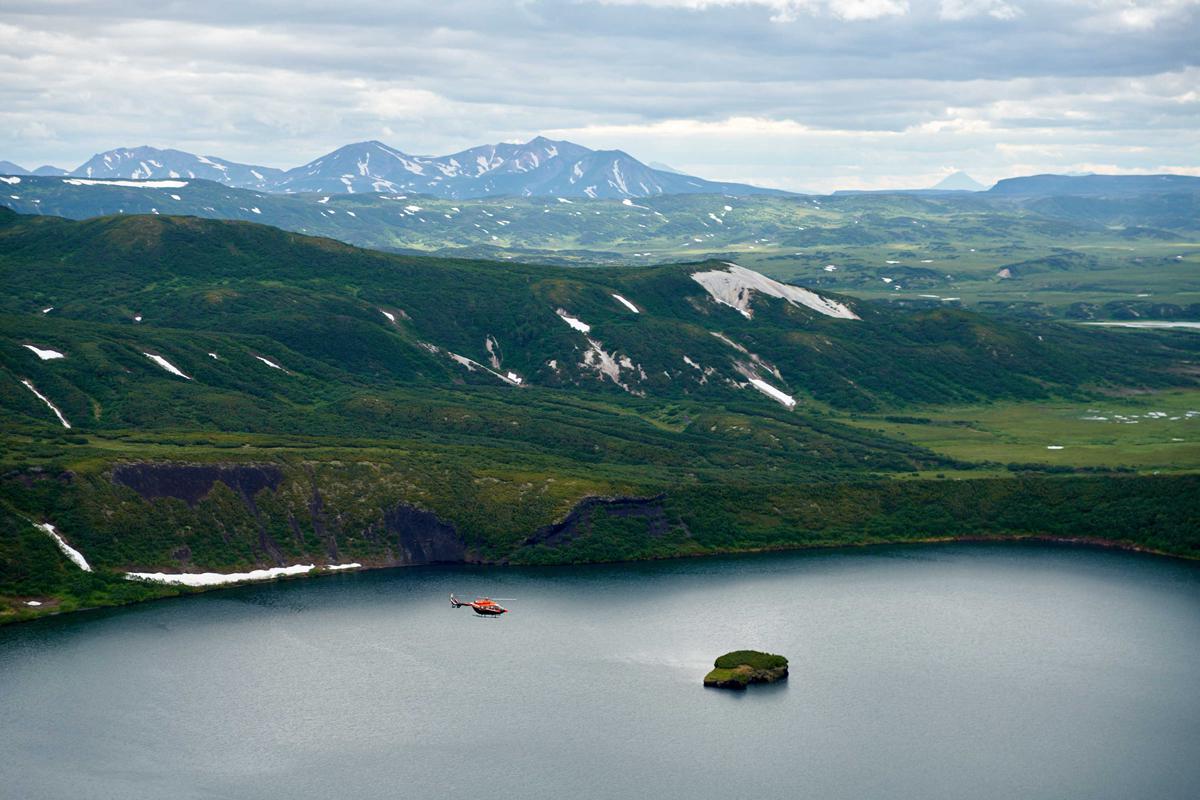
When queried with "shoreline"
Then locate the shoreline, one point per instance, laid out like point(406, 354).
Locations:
point(183, 590)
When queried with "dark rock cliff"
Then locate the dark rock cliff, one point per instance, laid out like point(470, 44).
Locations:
point(191, 483)
point(651, 509)
point(422, 538)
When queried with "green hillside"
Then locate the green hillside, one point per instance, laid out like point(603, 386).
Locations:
point(1095, 257)
point(337, 404)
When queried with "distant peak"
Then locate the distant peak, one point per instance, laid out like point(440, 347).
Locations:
point(959, 181)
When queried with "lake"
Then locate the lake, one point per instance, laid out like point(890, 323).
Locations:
point(939, 671)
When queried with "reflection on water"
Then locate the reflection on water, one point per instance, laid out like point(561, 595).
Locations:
point(982, 671)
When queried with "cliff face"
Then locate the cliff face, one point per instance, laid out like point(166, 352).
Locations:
point(191, 483)
point(225, 517)
point(648, 511)
point(230, 517)
point(421, 537)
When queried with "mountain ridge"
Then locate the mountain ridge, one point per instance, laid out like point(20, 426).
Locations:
point(541, 167)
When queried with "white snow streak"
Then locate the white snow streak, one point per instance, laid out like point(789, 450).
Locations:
point(46, 400)
point(626, 303)
point(68, 551)
point(773, 393)
point(269, 363)
point(130, 184)
point(574, 322)
point(167, 365)
point(1148, 324)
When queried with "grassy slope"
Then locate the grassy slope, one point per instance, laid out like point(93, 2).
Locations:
point(371, 417)
point(1085, 257)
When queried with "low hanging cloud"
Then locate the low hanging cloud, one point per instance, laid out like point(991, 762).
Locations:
point(806, 94)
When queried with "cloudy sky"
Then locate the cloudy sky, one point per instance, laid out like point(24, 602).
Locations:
point(816, 94)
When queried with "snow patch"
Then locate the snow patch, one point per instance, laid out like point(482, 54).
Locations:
point(70, 552)
point(626, 303)
point(270, 363)
point(129, 184)
point(352, 565)
point(167, 365)
point(391, 317)
point(218, 578)
point(13, 181)
point(735, 287)
point(773, 393)
point(44, 355)
point(471, 364)
point(574, 322)
point(1148, 324)
point(46, 400)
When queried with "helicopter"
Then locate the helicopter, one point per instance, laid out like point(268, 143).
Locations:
point(484, 606)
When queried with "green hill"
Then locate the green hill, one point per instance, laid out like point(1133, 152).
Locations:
point(240, 396)
point(1138, 248)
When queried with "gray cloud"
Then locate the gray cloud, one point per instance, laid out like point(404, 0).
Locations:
point(800, 93)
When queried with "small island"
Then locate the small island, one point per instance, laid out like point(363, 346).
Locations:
point(740, 668)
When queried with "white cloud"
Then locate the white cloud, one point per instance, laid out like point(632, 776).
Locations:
point(788, 10)
point(866, 93)
point(964, 9)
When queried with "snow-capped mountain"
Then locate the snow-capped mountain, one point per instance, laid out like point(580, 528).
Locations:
point(146, 163)
point(540, 167)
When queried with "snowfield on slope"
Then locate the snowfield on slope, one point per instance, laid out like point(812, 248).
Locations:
point(218, 578)
point(775, 394)
point(127, 184)
point(44, 354)
point(574, 322)
point(735, 287)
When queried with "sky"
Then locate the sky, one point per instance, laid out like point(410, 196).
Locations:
point(795, 94)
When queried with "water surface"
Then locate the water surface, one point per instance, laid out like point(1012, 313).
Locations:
point(981, 671)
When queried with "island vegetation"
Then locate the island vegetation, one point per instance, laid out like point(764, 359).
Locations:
point(740, 668)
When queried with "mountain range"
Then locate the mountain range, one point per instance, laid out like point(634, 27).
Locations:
point(540, 167)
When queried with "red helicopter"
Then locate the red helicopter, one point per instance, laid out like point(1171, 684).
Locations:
point(485, 606)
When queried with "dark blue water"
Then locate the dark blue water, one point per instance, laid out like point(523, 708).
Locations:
point(969, 671)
